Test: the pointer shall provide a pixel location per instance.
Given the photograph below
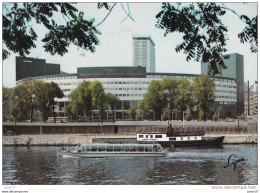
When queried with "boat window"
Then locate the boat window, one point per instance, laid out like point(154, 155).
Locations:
point(88, 148)
point(125, 148)
point(182, 138)
point(94, 148)
point(172, 138)
point(151, 136)
point(195, 138)
point(132, 148)
point(83, 149)
point(146, 136)
point(117, 148)
point(101, 148)
point(188, 138)
point(158, 136)
point(141, 136)
point(150, 149)
point(109, 148)
point(156, 148)
point(140, 149)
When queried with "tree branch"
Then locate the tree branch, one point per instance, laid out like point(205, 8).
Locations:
point(110, 10)
point(234, 13)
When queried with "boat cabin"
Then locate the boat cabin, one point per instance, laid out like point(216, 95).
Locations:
point(157, 137)
point(134, 148)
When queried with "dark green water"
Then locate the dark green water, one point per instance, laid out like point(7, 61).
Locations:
point(186, 166)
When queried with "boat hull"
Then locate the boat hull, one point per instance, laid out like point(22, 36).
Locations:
point(112, 154)
point(214, 141)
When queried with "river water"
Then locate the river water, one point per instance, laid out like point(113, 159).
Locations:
point(186, 166)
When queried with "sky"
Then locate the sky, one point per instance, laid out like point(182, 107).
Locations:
point(115, 48)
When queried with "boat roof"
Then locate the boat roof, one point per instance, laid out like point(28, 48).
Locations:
point(158, 132)
point(120, 145)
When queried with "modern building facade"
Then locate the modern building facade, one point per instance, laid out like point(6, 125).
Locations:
point(130, 89)
point(31, 67)
point(143, 52)
point(235, 69)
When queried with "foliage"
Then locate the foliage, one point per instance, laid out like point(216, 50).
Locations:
point(98, 97)
point(113, 102)
point(22, 101)
point(249, 33)
point(41, 92)
point(138, 116)
point(75, 106)
point(85, 97)
point(154, 99)
point(20, 37)
point(54, 91)
point(204, 92)
point(184, 99)
point(201, 115)
point(204, 34)
point(7, 101)
point(164, 116)
point(188, 116)
point(170, 86)
point(219, 114)
point(133, 112)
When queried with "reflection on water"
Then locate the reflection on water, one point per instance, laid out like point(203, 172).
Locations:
point(42, 165)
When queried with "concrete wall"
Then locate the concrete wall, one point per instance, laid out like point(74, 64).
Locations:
point(128, 127)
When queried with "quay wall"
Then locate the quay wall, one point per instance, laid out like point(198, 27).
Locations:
point(127, 127)
point(72, 140)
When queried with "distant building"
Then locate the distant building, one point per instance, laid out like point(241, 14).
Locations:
point(31, 67)
point(144, 52)
point(235, 69)
point(251, 99)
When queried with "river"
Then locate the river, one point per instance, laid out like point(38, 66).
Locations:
point(186, 166)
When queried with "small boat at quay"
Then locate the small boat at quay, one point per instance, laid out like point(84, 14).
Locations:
point(115, 150)
point(172, 138)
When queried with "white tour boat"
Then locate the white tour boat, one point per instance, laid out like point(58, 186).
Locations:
point(178, 138)
point(115, 150)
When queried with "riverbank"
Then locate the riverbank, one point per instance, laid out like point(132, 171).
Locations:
point(74, 139)
point(127, 127)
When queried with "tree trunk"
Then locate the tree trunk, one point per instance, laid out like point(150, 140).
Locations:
point(53, 113)
point(204, 115)
point(78, 116)
point(171, 114)
point(31, 113)
point(113, 116)
point(90, 116)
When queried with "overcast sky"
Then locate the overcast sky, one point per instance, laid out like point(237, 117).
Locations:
point(115, 47)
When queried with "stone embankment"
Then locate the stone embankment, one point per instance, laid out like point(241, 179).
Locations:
point(58, 140)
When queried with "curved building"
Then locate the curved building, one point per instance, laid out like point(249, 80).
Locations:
point(130, 84)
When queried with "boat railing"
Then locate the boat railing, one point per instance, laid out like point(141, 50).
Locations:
point(188, 133)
